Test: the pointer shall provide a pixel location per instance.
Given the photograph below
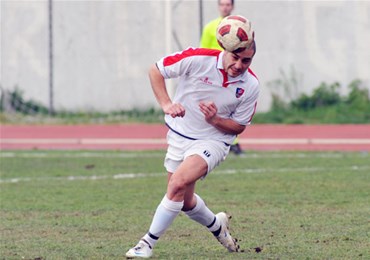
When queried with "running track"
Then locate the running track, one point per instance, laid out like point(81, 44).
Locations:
point(152, 136)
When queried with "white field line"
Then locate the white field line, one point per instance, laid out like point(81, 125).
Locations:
point(119, 176)
point(99, 141)
point(325, 141)
point(153, 141)
point(247, 154)
point(32, 154)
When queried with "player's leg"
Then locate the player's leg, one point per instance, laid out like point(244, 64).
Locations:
point(193, 168)
point(187, 173)
point(217, 224)
point(199, 212)
point(173, 159)
point(194, 206)
point(235, 147)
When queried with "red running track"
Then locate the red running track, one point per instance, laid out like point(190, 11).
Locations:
point(152, 136)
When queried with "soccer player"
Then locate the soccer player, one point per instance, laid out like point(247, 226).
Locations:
point(215, 100)
point(209, 40)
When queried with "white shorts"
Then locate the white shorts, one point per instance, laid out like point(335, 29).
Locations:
point(213, 152)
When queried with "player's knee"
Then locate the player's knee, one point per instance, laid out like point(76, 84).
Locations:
point(176, 187)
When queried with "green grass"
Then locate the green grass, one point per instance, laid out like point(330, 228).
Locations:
point(72, 118)
point(291, 205)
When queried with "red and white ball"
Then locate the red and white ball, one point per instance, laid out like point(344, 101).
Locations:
point(234, 33)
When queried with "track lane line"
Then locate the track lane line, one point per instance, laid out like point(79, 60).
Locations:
point(118, 141)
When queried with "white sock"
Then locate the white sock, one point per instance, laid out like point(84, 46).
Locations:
point(166, 212)
point(203, 215)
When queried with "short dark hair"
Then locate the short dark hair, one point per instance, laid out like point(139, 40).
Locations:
point(253, 45)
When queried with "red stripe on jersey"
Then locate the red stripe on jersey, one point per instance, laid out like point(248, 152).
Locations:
point(254, 111)
point(224, 74)
point(169, 60)
point(251, 72)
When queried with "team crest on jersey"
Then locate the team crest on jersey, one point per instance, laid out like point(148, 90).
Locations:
point(239, 92)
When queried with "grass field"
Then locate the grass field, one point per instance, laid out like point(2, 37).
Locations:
point(96, 205)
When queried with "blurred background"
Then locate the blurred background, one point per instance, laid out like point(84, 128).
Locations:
point(94, 55)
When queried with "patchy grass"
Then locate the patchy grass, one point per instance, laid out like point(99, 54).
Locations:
point(96, 205)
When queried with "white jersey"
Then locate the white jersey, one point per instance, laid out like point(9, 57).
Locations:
point(202, 78)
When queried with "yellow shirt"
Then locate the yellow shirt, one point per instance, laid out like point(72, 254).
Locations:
point(209, 39)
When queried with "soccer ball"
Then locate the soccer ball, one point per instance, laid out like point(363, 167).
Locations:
point(234, 33)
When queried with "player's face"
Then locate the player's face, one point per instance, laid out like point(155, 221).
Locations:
point(225, 7)
point(236, 64)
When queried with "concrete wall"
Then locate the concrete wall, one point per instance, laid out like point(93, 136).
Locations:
point(102, 49)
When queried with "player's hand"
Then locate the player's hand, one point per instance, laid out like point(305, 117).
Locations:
point(174, 110)
point(209, 110)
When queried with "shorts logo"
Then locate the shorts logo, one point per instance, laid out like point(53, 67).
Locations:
point(239, 92)
point(207, 153)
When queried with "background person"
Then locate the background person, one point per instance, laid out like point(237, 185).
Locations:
point(208, 39)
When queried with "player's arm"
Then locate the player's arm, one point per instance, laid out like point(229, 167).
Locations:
point(225, 125)
point(160, 92)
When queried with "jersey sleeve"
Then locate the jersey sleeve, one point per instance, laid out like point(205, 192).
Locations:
point(184, 62)
point(246, 109)
point(176, 65)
